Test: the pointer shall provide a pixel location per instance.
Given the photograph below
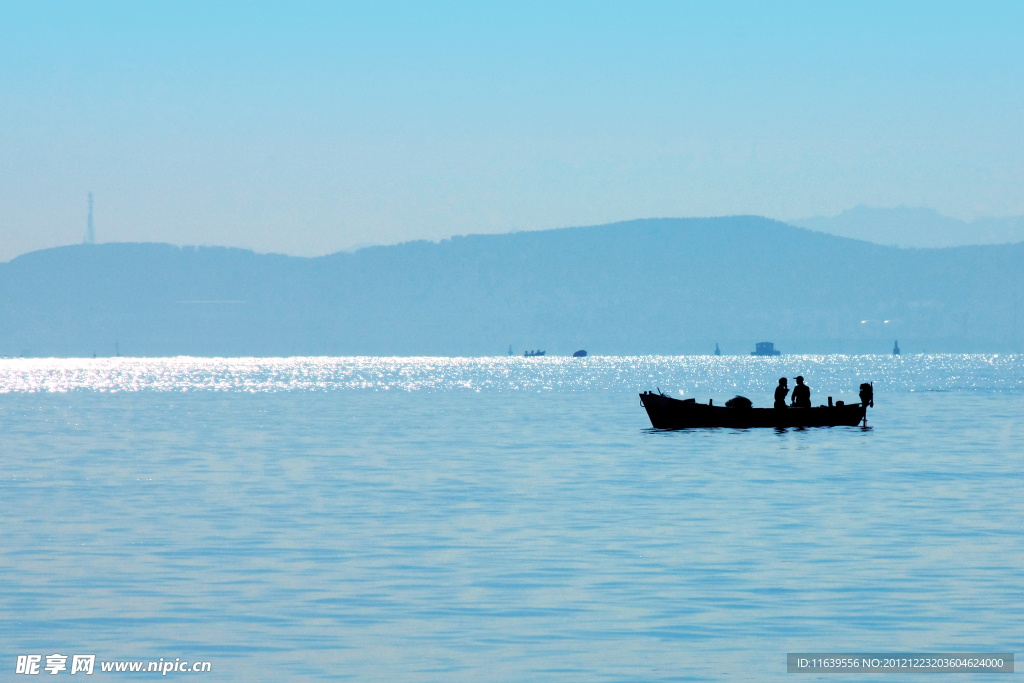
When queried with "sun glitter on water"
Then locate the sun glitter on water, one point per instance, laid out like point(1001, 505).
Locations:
point(689, 375)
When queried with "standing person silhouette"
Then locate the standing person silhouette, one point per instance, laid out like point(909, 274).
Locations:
point(801, 394)
point(780, 393)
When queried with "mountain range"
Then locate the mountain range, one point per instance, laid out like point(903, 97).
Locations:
point(658, 286)
point(915, 227)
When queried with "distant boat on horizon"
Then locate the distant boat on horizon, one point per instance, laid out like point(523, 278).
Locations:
point(532, 354)
point(765, 349)
point(896, 348)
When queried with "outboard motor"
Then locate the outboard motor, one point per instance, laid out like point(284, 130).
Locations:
point(867, 395)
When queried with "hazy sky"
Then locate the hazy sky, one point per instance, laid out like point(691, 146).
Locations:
point(310, 128)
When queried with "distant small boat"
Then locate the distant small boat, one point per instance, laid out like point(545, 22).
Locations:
point(765, 349)
point(580, 354)
point(896, 348)
point(718, 351)
point(666, 412)
point(532, 354)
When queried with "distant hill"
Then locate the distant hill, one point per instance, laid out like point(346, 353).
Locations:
point(667, 286)
point(915, 227)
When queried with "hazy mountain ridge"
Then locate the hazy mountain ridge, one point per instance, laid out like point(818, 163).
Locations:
point(650, 286)
point(913, 227)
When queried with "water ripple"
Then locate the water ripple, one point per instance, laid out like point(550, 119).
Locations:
point(678, 374)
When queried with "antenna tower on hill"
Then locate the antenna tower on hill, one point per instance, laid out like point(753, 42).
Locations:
point(90, 233)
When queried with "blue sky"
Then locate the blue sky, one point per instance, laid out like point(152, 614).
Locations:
point(310, 128)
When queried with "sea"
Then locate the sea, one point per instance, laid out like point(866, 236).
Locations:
point(503, 519)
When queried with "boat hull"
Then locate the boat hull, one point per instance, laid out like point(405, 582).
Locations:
point(671, 413)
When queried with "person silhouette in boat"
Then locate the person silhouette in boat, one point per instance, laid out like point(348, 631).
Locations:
point(801, 394)
point(780, 393)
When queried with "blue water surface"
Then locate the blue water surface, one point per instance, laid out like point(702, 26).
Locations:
point(503, 519)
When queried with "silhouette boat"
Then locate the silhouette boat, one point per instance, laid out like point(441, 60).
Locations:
point(532, 354)
point(673, 413)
